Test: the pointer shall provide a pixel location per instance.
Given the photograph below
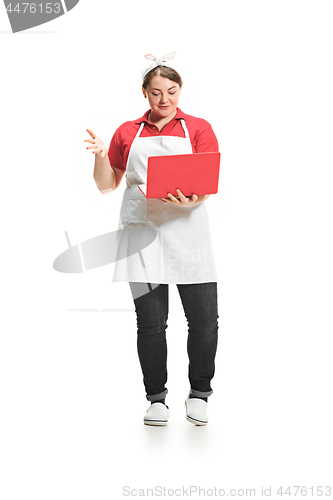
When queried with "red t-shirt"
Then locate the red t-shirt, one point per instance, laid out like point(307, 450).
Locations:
point(202, 137)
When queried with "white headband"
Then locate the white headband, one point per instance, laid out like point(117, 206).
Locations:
point(158, 62)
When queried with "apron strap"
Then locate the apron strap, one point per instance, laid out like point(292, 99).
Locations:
point(136, 136)
point(187, 135)
point(139, 131)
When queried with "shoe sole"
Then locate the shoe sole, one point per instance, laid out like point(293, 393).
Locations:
point(159, 423)
point(195, 421)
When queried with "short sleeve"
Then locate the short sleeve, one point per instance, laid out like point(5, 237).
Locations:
point(116, 152)
point(205, 140)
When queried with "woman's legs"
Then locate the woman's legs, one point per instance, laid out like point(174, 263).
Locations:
point(152, 314)
point(200, 307)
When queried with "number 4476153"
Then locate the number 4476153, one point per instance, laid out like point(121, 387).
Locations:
point(33, 7)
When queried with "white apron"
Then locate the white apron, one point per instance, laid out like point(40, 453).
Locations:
point(182, 250)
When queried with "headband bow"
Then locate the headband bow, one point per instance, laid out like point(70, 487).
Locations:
point(158, 62)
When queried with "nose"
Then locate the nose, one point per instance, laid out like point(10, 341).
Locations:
point(163, 99)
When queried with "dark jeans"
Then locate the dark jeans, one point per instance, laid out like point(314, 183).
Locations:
point(200, 306)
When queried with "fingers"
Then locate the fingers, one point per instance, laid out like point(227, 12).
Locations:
point(185, 199)
point(100, 150)
point(182, 200)
point(97, 148)
point(173, 198)
point(181, 196)
point(91, 133)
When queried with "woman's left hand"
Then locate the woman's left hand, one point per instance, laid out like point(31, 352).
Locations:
point(182, 201)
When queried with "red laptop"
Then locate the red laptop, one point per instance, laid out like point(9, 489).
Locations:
point(196, 173)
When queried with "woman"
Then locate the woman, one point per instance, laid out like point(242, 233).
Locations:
point(181, 251)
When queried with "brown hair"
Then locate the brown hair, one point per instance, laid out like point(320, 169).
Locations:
point(165, 72)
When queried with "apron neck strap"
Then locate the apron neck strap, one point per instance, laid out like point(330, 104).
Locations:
point(187, 135)
point(139, 131)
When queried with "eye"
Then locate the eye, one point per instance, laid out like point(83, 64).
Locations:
point(154, 94)
point(172, 93)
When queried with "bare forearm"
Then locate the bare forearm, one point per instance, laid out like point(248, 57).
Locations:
point(104, 175)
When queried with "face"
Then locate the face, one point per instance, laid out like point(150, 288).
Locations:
point(163, 96)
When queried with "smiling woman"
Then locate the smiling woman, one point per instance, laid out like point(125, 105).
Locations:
point(163, 95)
point(182, 252)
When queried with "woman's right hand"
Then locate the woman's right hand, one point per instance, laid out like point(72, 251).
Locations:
point(97, 144)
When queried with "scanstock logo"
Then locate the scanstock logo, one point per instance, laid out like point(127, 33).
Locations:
point(25, 15)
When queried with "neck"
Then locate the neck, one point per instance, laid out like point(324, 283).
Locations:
point(159, 121)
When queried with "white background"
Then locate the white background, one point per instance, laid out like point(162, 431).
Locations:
point(72, 397)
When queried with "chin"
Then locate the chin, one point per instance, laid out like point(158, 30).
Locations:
point(165, 112)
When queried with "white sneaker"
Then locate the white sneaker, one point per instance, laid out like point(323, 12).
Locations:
point(196, 411)
point(157, 414)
